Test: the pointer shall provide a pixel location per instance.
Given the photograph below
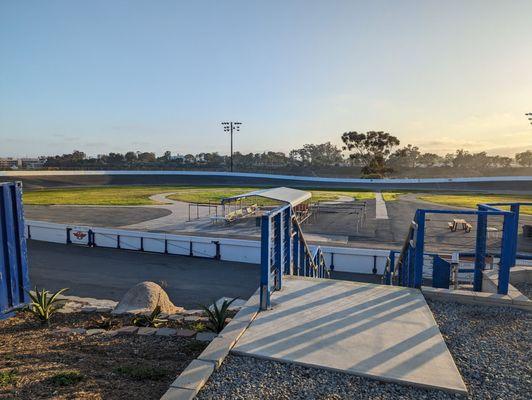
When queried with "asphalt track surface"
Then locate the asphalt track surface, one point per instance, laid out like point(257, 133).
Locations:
point(109, 273)
point(102, 216)
point(47, 181)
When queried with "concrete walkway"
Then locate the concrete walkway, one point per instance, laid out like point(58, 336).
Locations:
point(178, 216)
point(380, 207)
point(378, 331)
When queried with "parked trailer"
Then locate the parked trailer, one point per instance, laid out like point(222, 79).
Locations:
point(14, 278)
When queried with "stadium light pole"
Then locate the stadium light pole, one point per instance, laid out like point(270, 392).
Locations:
point(231, 127)
point(529, 115)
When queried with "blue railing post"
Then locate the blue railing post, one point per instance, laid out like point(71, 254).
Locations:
point(508, 228)
point(287, 244)
point(302, 270)
point(14, 278)
point(278, 253)
point(480, 249)
point(265, 256)
point(419, 249)
point(389, 274)
point(515, 232)
point(295, 251)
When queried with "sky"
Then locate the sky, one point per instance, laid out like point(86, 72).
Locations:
point(101, 76)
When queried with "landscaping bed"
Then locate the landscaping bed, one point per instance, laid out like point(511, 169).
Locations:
point(41, 362)
point(490, 345)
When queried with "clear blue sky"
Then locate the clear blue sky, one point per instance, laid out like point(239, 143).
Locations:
point(103, 76)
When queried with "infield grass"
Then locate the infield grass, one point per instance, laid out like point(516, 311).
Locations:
point(139, 195)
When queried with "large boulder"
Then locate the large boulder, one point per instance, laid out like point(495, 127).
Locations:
point(143, 298)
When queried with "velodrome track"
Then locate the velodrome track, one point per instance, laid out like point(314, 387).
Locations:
point(46, 179)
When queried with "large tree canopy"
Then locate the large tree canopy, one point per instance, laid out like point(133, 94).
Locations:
point(371, 149)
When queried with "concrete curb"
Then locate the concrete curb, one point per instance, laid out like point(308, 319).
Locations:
point(193, 378)
point(481, 298)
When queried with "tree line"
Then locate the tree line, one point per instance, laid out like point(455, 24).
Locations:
point(374, 153)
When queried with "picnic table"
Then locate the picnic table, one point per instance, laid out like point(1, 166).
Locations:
point(457, 222)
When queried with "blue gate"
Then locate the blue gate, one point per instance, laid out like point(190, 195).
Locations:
point(14, 279)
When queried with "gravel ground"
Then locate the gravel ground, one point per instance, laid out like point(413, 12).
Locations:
point(525, 288)
point(492, 352)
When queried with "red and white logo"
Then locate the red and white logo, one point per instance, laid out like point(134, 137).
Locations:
point(79, 235)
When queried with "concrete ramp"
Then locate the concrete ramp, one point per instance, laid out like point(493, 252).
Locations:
point(378, 331)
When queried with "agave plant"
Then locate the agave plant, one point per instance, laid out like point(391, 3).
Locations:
point(43, 306)
point(218, 315)
point(152, 320)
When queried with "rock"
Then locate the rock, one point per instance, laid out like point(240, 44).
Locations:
point(176, 317)
point(88, 309)
point(143, 298)
point(127, 330)
point(91, 332)
point(146, 331)
point(206, 336)
point(78, 331)
point(166, 332)
point(61, 330)
point(192, 312)
point(185, 333)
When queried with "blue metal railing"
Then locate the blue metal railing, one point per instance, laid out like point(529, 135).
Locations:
point(284, 251)
point(405, 268)
point(14, 277)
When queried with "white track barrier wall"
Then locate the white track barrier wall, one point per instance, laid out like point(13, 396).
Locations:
point(269, 176)
point(344, 259)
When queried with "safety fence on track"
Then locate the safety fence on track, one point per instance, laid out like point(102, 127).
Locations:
point(343, 259)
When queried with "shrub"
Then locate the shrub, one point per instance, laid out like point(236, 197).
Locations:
point(8, 377)
point(43, 306)
point(101, 322)
point(198, 326)
point(152, 320)
point(218, 315)
point(66, 378)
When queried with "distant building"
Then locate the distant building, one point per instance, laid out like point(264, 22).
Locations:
point(22, 163)
point(32, 163)
point(9, 163)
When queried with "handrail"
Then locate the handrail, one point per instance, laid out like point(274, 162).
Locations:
point(404, 249)
point(315, 260)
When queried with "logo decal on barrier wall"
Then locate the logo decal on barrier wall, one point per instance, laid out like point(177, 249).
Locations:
point(79, 235)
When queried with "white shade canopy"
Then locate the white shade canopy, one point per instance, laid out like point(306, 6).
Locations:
point(283, 194)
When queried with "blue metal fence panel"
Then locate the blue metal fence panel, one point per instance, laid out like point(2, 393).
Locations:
point(441, 273)
point(14, 278)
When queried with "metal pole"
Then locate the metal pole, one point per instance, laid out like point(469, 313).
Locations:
point(231, 147)
point(420, 249)
point(506, 252)
point(265, 263)
point(480, 251)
